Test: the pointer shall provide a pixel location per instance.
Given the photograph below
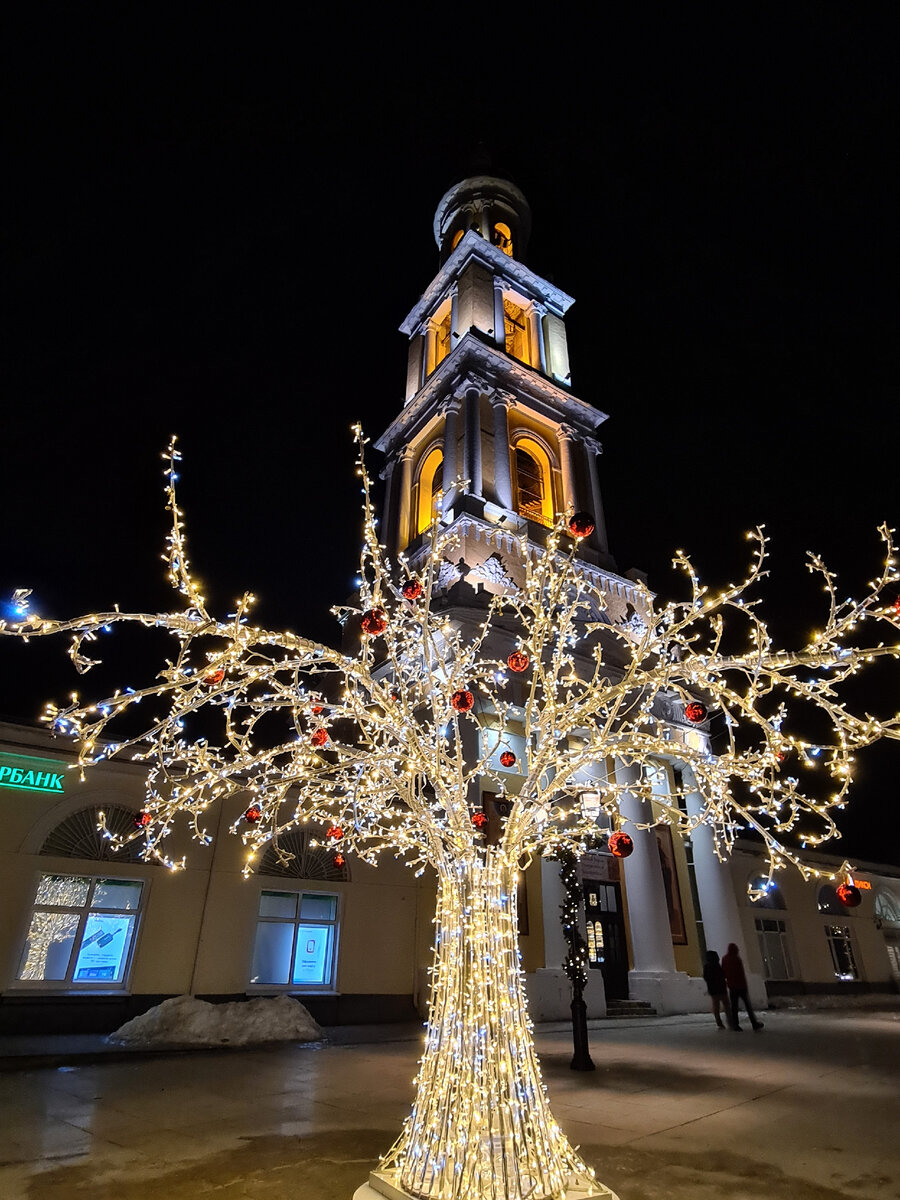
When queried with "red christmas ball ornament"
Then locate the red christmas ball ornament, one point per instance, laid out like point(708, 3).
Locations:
point(849, 896)
point(334, 832)
point(518, 661)
point(339, 859)
point(507, 759)
point(142, 820)
point(462, 701)
point(253, 813)
point(479, 820)
point(620, 844)
point(214, 677)
point(316, 709)
point(897, 606)
point(319, 737)
point(695, 712)
point(581, 525)
point(373, 622)
point(411, 590)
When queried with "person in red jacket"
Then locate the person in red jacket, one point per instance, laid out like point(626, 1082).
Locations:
point(733, 969)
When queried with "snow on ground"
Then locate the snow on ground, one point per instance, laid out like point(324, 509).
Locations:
point(185, 1021)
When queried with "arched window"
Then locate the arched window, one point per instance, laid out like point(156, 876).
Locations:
point(765, 893)
point(887, 906)
point(428, 498)
point(439, 335)
point(534, 482)
point(827, 901)
point(78, 836)
point(502, 238)
point(517, 329)
point(301, 861)
point(457, 238)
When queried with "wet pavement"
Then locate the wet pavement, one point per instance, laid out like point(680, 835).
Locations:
point(805, 1110)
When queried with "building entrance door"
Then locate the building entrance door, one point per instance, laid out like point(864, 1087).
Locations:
point(607, 951)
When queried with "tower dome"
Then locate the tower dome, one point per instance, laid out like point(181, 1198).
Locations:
point(490, 205)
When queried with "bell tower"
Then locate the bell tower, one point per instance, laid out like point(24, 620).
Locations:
point(490, 436)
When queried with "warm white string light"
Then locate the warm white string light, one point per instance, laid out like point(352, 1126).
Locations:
point(388, 748)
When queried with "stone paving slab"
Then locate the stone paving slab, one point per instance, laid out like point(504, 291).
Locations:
point(806, 1110)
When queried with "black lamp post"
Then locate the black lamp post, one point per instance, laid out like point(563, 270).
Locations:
point(575, 964)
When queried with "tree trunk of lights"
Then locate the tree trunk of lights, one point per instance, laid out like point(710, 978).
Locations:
point(481, 1126)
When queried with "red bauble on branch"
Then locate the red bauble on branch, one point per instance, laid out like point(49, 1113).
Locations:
point(581, 525)
point(507, 759)
point(319, 737)
point(142, 820)
point(339, 859)
point(849, 896)
point(411, 589)
point(253, 813)
point(695, 712)
point(334, 833)
point(373, 622)
point(479, 820)
point(214, 677)
point(518, 661)
point(462, 701)
point(620, 845)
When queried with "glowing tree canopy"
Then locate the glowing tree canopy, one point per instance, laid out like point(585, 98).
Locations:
point(387, 748)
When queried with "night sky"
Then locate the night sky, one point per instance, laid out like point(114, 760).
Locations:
point(218, 232)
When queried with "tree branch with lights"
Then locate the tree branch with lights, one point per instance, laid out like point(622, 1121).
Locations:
point(537, 697)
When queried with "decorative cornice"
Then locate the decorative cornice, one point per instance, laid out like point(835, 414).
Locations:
point(475, 363)
point(473, 247)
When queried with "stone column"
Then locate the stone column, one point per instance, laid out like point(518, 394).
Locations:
point(502, 474)
point(473, 440)
point(451, 451)
point(405, 531)
point(648, 916)
point(567, 467)
point(719, 909)
point(592, 449)
point(538, 312)
point(499, 318)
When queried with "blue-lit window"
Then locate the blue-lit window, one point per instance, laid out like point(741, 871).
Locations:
point(81, 932)
point(296, 941)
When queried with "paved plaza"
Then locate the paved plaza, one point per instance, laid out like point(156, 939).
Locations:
point(809, 1109)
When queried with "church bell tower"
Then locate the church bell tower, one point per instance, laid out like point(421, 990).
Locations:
point(491, 438)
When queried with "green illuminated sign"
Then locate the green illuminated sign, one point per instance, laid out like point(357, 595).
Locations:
point(27, 774)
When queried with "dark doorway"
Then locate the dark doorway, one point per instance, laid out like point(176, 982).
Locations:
point(607, 951)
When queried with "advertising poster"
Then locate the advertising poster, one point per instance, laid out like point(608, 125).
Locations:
point(104, 947)
point(312, 962)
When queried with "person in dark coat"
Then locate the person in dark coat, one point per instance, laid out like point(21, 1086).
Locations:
point(733, 970)
point(716, 986)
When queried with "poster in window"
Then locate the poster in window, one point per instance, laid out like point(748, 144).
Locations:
point(670, 883)
point(104, 947)
point(312, 961)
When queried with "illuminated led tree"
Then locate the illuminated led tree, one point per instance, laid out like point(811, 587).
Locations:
point(387, 749)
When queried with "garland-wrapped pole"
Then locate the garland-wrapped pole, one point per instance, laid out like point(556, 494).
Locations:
point(388, 749)
point(575, 964)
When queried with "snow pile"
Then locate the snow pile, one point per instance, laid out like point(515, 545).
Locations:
point(185, 1021)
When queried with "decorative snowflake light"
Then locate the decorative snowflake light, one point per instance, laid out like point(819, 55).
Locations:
point(392, 744)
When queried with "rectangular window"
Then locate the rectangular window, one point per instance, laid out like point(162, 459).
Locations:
point(296, 940)
point(775, 948)
point(81, 932)
point(842, 956)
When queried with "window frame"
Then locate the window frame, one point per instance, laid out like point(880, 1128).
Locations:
point(428, 473)
point(297, 922)
point(788, 956)
point(526, 442)
point(84, 912)
point(845, 936)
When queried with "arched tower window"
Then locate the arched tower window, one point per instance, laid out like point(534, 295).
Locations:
point(534, 482)
point(517, 328)
point(430, 482)
point(501, 236)
point(439, 336)
point(79, 836)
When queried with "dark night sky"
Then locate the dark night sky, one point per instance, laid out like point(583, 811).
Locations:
point(217, 233)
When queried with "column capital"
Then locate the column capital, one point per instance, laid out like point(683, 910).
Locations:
point(452, 403)
point(405, 455)
point(593, 445)
point(567, 432)
point(502, 398)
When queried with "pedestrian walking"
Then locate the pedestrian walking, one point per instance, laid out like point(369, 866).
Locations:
point(736, 980)
point(716, 986)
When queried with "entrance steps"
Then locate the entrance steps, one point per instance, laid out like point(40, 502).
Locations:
point(618, 1010)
